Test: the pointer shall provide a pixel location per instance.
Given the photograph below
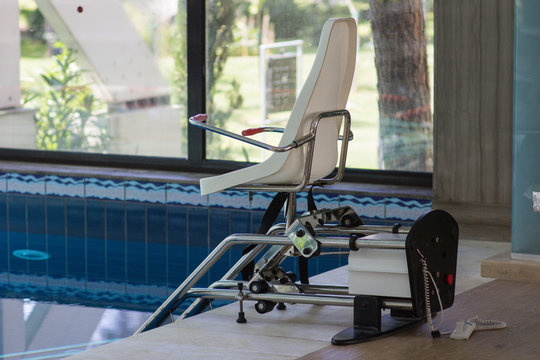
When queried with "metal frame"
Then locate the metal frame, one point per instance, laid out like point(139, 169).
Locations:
point(434, 236)
point(308, 140)
point(316, 294)
point(280, 246)
point(196, 79)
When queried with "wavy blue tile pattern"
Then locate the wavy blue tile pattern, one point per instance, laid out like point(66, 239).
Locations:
point(326, 201)
point(132, 242)
point(61, 186)
point(261, 200)
point(3, 182)
point(105, 189)
point(185, 195)
point(368, 208)
point(406, 210)
point(26, 184)
point(145, 191)
point(230, 200)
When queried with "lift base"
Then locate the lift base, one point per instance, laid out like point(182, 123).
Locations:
point(369, 324)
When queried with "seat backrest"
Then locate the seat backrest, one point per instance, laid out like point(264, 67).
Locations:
point(326, 88)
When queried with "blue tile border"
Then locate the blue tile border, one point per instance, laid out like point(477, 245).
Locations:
point(376, 208)
point(145, 191)
point(26, 184)
point(261, 200)
point(64, 186)
point(372, 207)
point(3, 182)
point(231, 199)
point(366, 207)
point(403, 209)
point(105, 189)
point(185, 195)
point(326, 200)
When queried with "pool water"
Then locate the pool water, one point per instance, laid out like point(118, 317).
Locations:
point(118, 248)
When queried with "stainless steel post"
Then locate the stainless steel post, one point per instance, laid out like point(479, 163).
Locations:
point(207, 263)
point(334, 300)
point(235, 239)
point(234, 270)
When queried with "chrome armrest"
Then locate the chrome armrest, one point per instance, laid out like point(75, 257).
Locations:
point(199, 121)
point(253, 131)
point(309, 157)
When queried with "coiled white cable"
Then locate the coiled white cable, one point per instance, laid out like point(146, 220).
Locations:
point(435, 332)
point(482, 324)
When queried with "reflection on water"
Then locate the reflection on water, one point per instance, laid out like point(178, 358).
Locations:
point(40, 330)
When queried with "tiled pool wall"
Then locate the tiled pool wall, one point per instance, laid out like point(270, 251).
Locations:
point(130, 243)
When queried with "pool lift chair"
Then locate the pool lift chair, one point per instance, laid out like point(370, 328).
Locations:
point(409, 271)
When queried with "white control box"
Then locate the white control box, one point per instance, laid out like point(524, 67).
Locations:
point(380, 272)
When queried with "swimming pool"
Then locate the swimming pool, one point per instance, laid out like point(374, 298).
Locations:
point(127, 244)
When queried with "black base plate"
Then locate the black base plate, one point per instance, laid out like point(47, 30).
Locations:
point(389, 325)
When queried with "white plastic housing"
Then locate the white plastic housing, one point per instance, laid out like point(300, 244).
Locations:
point(380, 272)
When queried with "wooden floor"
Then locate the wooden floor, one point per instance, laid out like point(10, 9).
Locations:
point(516, 303)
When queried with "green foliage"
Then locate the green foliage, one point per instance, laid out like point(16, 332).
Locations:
point(177, 43)
point(221, 18)
point(64, 116)
point(301, 20)
point(32, 48)
point(34, 21)
point(287, 17)
point(178, 47)
point(220, 23)
point(32, 26)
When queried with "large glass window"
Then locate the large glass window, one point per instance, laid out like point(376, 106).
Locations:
point(102, 76)
point(260, 51)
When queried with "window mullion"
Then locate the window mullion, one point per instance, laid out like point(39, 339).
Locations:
point(196, 80)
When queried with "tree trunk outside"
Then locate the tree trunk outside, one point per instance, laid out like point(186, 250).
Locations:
point(405, 127)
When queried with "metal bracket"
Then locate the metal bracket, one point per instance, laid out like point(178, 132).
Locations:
point(303, 238)
point(302, 233)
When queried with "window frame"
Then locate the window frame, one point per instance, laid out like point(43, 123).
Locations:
point(196, 161)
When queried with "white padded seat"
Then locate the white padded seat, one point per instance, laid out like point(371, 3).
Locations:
point(326, 89)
